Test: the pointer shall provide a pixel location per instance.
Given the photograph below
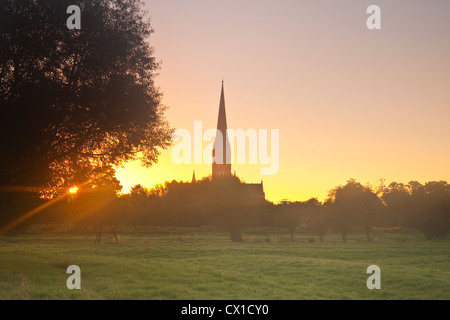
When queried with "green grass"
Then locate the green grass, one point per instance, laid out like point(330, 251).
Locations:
point(153, 264)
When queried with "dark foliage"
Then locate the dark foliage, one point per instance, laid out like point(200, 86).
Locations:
point(74, 103)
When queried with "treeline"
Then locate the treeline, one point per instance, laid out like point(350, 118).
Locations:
point(414, 205)
point(229, 205)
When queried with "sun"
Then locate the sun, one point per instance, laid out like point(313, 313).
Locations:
point(73, 190)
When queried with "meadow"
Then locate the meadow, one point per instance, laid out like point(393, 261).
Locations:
point(152, 263)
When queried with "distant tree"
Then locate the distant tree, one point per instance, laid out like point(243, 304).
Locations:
point(138, 205)
point(97, 206)
point(184, 201)
point(138, 191)
point(288, 217)
point(320, 221)
point(144, 206)
point(230, 206)
point(309, 211)
point(430, 205)
point(437, 223)
point(266, 217)
point(397, 198)
point(76, 103)
point(291, 215)
point(353, 204)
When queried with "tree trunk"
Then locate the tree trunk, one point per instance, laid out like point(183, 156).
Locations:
point(98, 232)
point(98, 238)
point(367, 226)
point(321, 238)
point(344, 237)
point(292, 236)
point(114, 232)
point(369, 238)
point(235, 235)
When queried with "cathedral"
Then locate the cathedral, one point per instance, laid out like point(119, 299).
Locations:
point(223, 168)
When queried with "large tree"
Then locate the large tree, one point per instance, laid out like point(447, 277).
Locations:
point(397, 198)
point(353, 205)
point(430, 208)
point(229, 205)
point(291, 215)
point(76, 103)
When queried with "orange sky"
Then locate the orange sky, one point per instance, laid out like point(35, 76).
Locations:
point(349, 102)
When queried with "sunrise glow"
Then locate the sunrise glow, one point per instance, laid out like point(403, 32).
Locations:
point(349, 102)
point(73, 190)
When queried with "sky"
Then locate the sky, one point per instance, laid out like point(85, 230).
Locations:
point(348, 102)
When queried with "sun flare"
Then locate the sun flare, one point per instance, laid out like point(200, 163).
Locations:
point(73, 190)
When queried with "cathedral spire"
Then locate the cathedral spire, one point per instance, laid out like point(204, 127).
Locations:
point(222, 119)
point(221, 166)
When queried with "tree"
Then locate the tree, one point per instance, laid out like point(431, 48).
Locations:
point(430, 205)
point(288, 216)
point(98, 207)
point(184, 202)
point(293, 214)
point(230, 206)
point(353, 204)
point(320, 220)
point(397, 198)
point(76, 103)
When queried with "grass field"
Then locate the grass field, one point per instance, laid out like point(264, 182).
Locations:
point(154, 264)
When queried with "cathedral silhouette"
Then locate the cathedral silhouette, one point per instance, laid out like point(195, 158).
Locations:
point(223, 168)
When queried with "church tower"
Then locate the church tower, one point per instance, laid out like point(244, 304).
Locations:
point(221, 164)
